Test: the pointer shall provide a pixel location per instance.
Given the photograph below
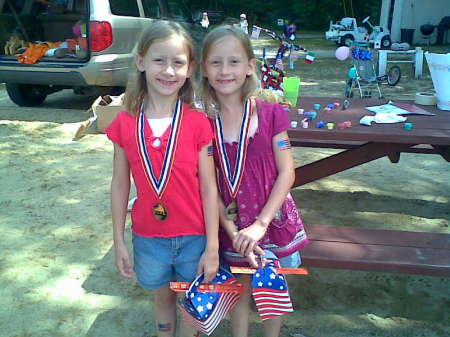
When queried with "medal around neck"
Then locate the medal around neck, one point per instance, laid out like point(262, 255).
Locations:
point(231, 211)
point(159, 212)
point(158, 185)
point(233, 178)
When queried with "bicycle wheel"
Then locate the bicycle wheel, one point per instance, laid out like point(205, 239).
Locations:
point(393, 75)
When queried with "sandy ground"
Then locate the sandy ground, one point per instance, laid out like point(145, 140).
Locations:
point(57, 277)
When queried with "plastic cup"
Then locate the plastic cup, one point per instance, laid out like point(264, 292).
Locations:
point(291, 99)
point(291, 87)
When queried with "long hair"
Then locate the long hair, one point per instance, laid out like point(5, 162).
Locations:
point(136, 91)
point(251, 85)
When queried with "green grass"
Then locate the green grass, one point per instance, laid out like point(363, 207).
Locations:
point(316, 43)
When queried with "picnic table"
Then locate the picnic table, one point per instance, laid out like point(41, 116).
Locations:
point(358, 248)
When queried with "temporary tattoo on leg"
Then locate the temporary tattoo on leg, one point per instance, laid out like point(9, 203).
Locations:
point(164, 327)
point(284, 144)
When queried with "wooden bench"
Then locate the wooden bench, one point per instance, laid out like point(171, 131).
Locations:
point(390, 251)
point(444, 151)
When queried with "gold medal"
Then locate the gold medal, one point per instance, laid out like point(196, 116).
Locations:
point(233, 178)
point(159, 212)
point(231, 211)
point(158, 184)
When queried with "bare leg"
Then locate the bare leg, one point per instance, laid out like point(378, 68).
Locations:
point(186, 329)
point(165, 312)
point(272, 326)
point(241, 311)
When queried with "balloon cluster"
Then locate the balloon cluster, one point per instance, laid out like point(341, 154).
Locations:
point(361, 54)
point(342, 53)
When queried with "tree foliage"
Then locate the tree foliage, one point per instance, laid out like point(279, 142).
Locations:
point(308, 14)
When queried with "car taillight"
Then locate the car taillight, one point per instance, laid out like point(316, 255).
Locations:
point(101, 35)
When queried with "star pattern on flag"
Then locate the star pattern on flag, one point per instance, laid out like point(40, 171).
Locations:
point(270, 292)
point(205, 310)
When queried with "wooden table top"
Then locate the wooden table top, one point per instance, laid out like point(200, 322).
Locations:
point(434, 130)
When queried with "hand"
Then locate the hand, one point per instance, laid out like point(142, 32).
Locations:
point(123, 264)
point(208, 265)
point(247, 239)
point(253, 260)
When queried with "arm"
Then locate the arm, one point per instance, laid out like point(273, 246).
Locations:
point(209, 262)
point(232, 231)
point(120, 190)
point(227, 224)
point(247, 238)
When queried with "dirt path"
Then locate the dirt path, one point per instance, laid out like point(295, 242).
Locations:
point(56, 268)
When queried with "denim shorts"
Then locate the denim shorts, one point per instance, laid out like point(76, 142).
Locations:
point(157, 261)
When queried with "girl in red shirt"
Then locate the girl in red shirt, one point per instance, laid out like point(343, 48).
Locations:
point(166, 146)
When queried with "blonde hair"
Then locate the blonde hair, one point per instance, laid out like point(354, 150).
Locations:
point(251, 85)
point(136, 91)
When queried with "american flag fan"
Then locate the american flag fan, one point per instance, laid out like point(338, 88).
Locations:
point(270, 292)
point(205, 310)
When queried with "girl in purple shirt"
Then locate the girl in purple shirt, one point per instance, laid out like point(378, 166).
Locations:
point(254, 163)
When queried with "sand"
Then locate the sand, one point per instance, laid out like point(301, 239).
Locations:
point(57, 277)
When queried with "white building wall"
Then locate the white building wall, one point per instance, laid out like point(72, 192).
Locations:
point(411, 14)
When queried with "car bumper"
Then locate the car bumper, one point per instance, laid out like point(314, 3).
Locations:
point(102, 70)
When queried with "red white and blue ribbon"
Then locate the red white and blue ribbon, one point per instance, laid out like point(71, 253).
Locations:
point(159, 184)
point(234, 177)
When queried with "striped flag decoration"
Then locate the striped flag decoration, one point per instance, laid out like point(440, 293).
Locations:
point(255, 32)
point(205, 310)
point(270, 292)
point(310, 57)
point(279, 64)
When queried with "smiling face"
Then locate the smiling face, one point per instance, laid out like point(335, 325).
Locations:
point(167, 66)
point(227, 66)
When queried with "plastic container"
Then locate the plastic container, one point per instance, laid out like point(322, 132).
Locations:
point(291, 87)
point(439, 65)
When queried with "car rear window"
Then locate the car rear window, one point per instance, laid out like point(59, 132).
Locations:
point(151, 8)
point(124, 7)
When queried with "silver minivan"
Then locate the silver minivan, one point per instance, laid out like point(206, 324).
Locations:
point(89, 43)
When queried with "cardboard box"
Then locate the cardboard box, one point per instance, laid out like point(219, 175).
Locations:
point(106, 113)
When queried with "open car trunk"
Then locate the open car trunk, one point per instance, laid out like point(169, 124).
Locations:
point(61, 25)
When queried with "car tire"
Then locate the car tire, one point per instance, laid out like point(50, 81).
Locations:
point(386, 42)
point(25, 94)
point(347, 40)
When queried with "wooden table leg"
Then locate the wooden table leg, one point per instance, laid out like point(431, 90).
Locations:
point(344, 160)
point(444, 151)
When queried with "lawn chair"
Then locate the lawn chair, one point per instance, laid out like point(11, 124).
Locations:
point(365, 76)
